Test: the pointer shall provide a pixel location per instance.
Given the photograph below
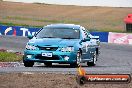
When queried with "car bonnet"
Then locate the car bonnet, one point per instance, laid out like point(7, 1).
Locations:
point(54, 41)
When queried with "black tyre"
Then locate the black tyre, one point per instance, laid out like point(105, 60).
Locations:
point(97, 52)
point(74, 65)
point(48, 64)
point(93, 63)
point(28, 64)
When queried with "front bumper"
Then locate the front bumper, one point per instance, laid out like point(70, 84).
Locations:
point(57, 56)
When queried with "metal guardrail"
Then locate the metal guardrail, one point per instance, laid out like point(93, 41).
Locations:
point(110, 37)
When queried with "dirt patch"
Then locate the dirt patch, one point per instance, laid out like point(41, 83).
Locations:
point(97, 18)
point(9, 64)
point(42, 80)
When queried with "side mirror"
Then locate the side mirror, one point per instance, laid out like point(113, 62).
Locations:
point(30, 36)
point(86, 39)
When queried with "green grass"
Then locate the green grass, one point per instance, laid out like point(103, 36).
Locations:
point(24, 25)
point(110, 30)
point(9, 57)
point(39, 20)
point(14, 24)
point(52, 21)
point(55, 21)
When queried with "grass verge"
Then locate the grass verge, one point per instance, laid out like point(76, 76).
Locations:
point(14, 24)
point(9, 57)
point(25, 25)
point(39, 20)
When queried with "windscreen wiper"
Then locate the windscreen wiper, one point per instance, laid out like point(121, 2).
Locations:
point(49, 37)
point(68, 38)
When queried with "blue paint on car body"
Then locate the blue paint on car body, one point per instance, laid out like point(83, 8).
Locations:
point(62, 43)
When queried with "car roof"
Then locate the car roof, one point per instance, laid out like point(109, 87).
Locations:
point(72, 26)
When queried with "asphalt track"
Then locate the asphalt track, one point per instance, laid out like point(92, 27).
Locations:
point(114, 58)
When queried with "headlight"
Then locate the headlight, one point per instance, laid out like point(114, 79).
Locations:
point(67, 49)
point(30, 47)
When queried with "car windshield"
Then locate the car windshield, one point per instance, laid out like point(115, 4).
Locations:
point(64, 33)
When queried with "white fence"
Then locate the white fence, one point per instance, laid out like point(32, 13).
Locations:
point(109, 3)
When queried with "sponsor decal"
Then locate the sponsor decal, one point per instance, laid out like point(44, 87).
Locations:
point(83, 78)
point(10, 29)
point(24, 31)
point(120, 38)
point(7, 30)
point(17, 30)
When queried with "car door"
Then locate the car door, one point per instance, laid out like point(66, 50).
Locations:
point(86, 49)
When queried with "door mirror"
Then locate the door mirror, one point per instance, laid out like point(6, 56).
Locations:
point(30, 36)
point(86, 39)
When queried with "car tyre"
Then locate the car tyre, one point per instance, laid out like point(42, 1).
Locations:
point(94, 60)
point(48, 64)
point(28, 63)
point(97, 52)
point(74, 65)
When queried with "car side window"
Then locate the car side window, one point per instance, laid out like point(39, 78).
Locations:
point(84, 33)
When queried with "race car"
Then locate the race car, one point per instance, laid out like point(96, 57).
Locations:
point(62, 43)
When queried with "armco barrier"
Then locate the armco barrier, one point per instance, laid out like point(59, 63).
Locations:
point(120, 38)
point(110, 37)
point(24, 31)
point(102, 35)
point(17, 30)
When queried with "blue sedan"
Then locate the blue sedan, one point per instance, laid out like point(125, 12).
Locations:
point(62, 43)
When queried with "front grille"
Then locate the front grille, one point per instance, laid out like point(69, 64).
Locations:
point(48, 48)
point(54, 57)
